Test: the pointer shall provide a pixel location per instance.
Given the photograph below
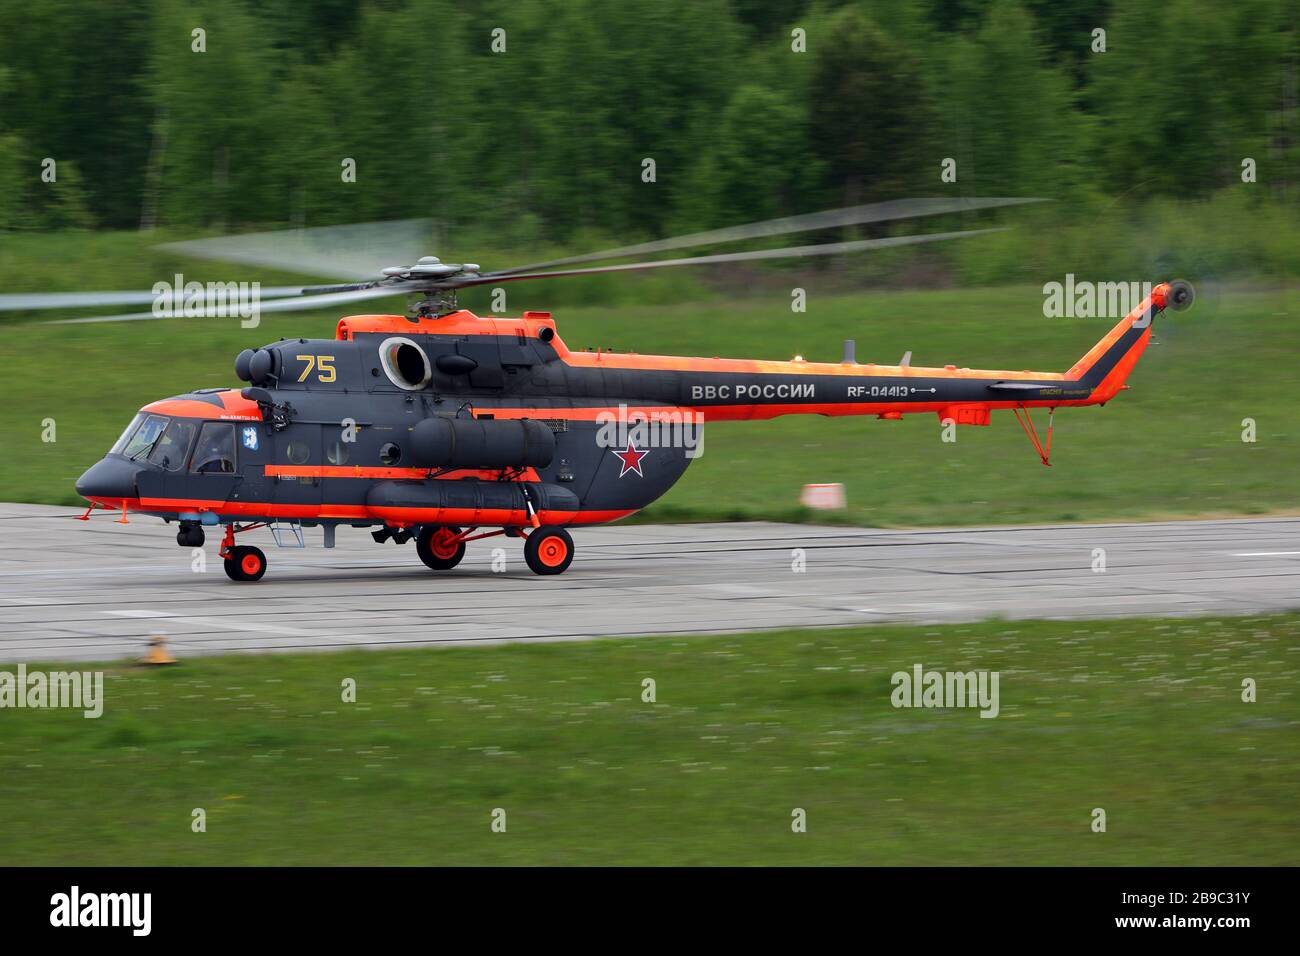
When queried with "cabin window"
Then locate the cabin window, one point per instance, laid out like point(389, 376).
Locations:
point(298, 452)
point(336, 452)
point(215, 452)
point(172, 448)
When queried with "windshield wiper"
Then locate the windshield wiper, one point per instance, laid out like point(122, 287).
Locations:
point(147, 448)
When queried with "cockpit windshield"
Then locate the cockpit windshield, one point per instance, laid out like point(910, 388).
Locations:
point(140, 436)
point(127, 432)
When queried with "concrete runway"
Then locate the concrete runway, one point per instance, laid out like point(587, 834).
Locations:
point(97, 590)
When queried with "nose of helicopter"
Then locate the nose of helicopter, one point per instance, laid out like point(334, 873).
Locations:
point(109, 478)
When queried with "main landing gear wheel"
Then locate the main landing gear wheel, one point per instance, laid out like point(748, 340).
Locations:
point(439, 549)
point(245, 564)
point(548, 550)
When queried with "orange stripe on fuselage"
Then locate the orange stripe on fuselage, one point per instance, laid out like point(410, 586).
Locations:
point(589, 414)
point(359, 471)
point(342, 471)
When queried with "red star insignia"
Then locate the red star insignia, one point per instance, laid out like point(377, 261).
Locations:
point(631, 459)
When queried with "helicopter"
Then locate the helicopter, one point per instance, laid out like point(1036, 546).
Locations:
point(448, 427)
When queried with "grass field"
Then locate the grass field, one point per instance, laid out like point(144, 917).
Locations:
point(1142, 718)
point(1169, 447)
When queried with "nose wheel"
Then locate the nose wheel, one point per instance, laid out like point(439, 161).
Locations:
point(245, 563)
point(190, 535)
point(548, 550)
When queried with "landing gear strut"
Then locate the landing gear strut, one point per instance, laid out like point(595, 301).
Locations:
point(243, 563)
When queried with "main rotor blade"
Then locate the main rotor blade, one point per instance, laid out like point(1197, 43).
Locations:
point(22, 301)
point(829, 219)
point(331, 252)
point(826, 249)
point(276, 305)
point(334, 252)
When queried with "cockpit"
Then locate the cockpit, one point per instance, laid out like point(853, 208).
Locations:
point(167, 443)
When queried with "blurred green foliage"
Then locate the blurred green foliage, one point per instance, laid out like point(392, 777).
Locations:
point(544, 141)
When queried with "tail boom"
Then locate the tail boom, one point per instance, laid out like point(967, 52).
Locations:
point(719, 389)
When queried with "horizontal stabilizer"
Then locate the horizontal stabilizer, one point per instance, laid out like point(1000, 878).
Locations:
point(1022, 386)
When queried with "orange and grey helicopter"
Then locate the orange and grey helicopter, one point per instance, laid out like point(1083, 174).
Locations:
point(447, 427)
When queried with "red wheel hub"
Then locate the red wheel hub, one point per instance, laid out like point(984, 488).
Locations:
point(553, 551)
point(444, 544)
point(250, 564)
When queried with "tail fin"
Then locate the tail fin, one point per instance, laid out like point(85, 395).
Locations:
point(1107, 364)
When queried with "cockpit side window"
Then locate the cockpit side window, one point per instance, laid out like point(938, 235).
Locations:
point(142, 441)
point(171, 449)
point(215, 452)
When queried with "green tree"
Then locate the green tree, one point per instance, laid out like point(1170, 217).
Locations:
point(76, 93)
point(211, 104)
point(12, 191)
point(870, 114)
point(1008, 116)
point(758, 165)
point(11, 157)
point(1177, 115)
point(68, 204)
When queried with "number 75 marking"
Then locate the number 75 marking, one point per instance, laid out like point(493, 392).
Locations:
point(321, 363)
